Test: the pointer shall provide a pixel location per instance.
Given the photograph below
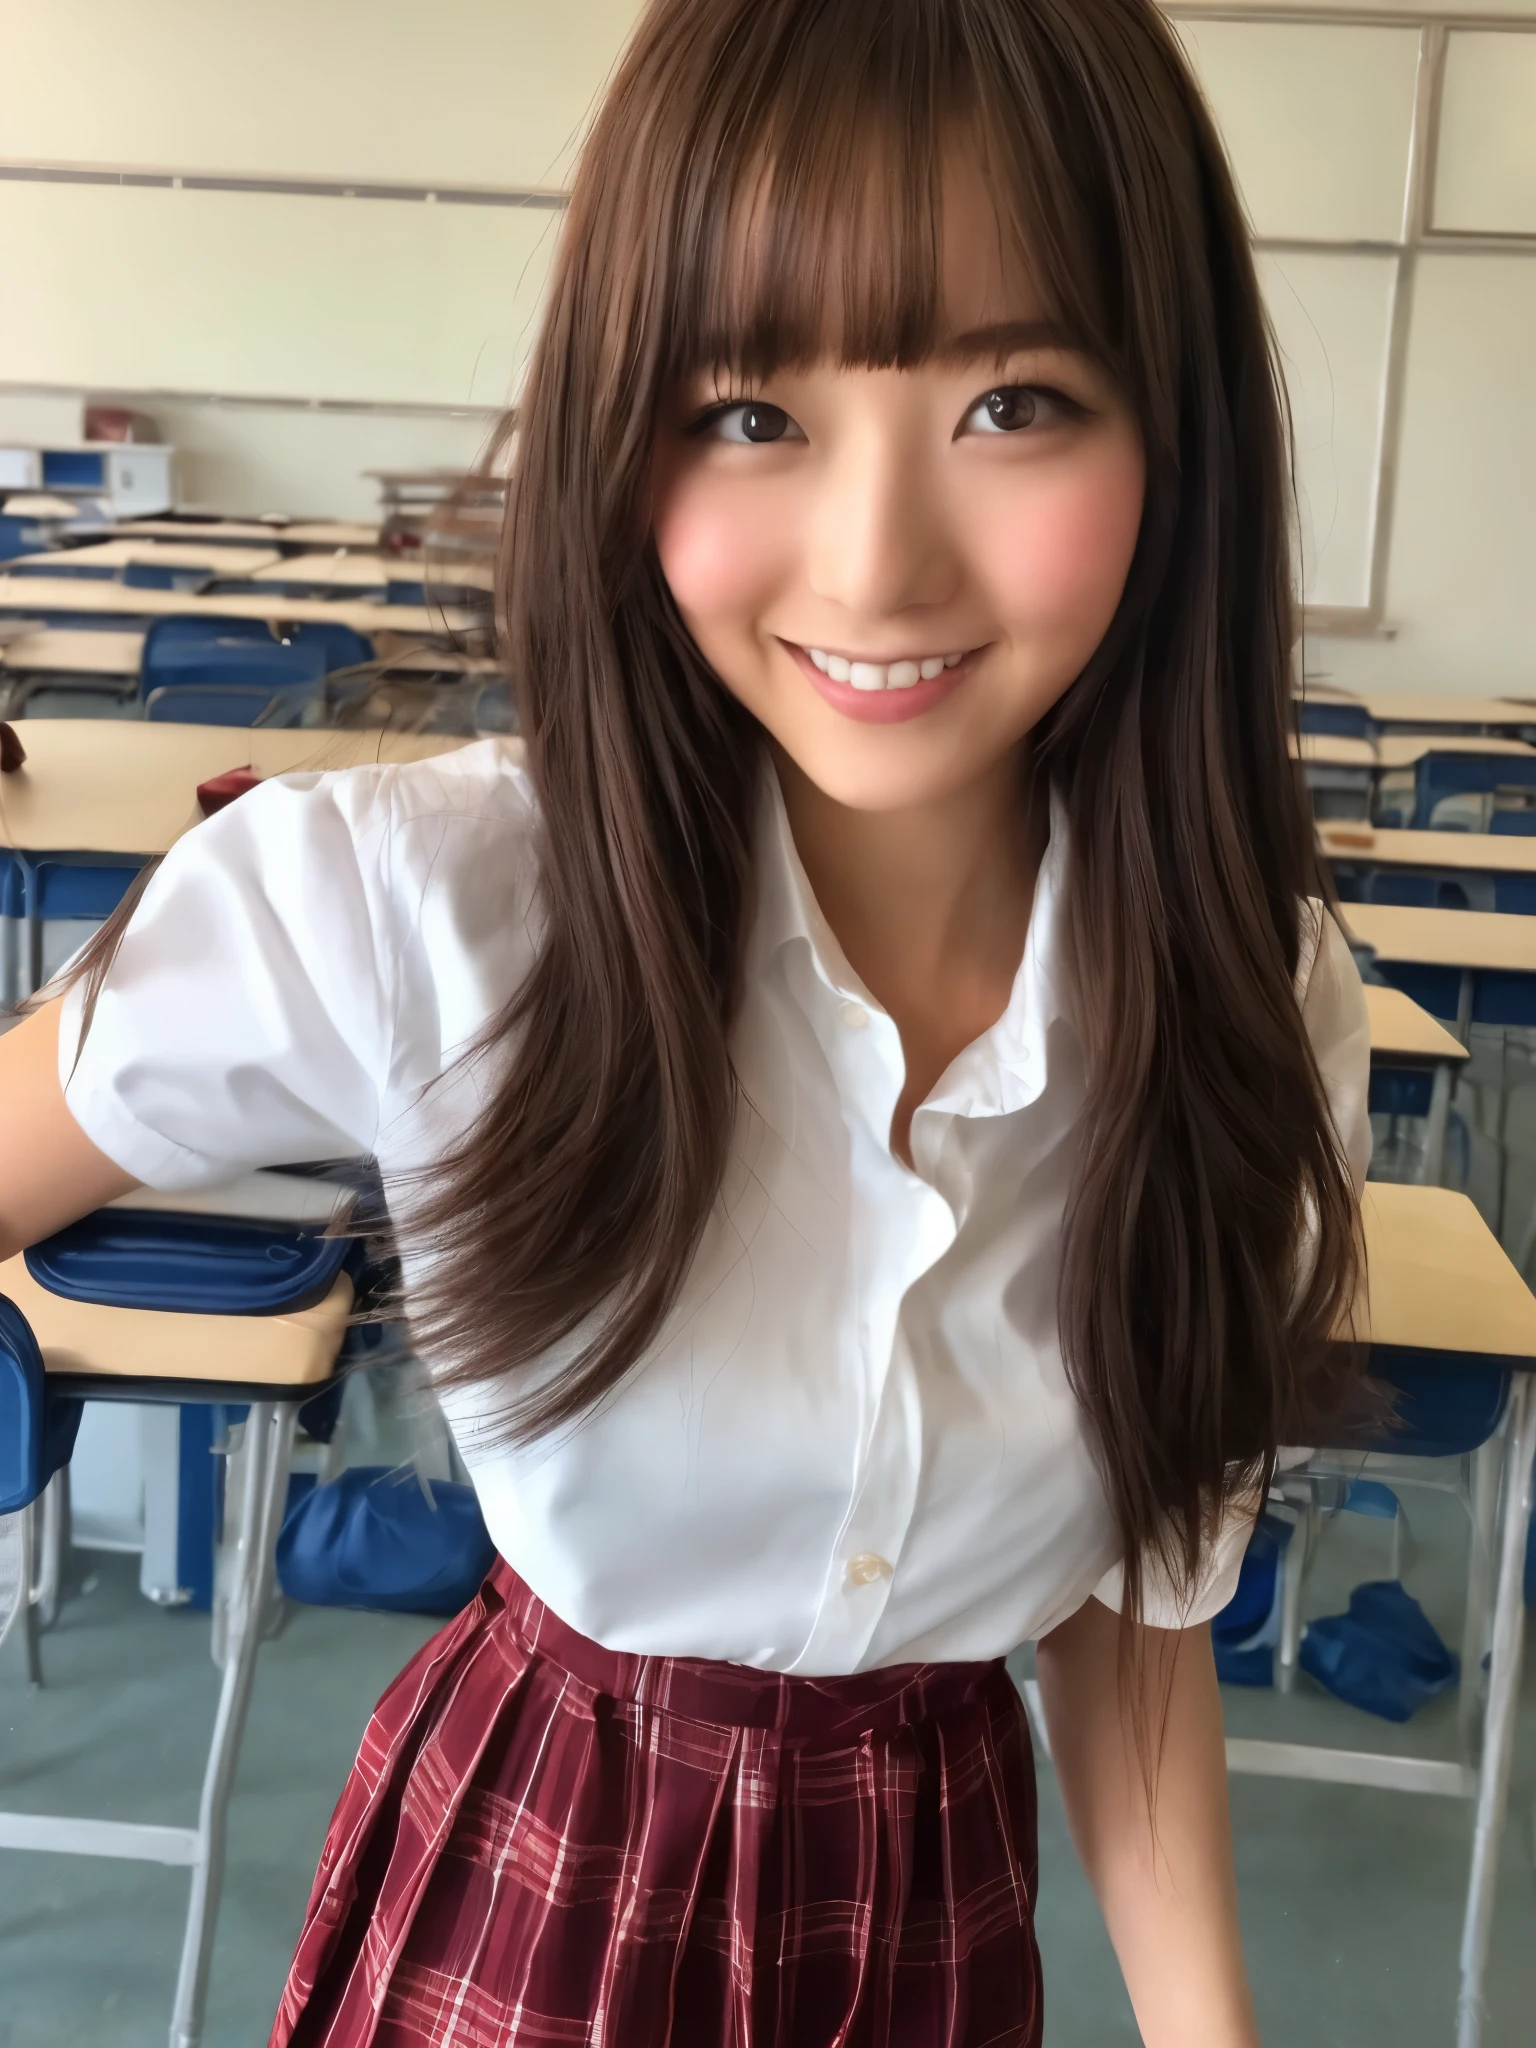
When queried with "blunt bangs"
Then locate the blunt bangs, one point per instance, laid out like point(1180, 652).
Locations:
point(810, 206)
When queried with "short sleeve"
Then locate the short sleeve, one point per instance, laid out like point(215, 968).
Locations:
point(1333, 1009)
point(246, 1019)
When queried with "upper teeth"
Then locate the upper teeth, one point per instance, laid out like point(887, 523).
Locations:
point(882, 675)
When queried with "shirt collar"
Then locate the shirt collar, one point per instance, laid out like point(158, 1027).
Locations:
point(1006, 1068)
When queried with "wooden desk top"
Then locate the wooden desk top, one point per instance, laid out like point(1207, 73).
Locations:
point(117, 554)
point(1402, 750)
point(1401, 1029)
point(1332, 750)
point(1438, 1279)
point(122, 1343)
point(75, 648)
point(117, 786)
point(363, 568)
point(316, 533)
point(39, 505)
point(328, 533)
point(1482, 852)
point(81, 594)
point(1441, 707)
point(1443, 938)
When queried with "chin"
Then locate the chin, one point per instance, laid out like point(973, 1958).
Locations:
point(892, 768)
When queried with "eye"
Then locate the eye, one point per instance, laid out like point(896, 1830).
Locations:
point(748, 420)
point(1011, 407)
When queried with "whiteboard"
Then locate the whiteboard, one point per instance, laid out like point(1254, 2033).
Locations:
point(1332, 315)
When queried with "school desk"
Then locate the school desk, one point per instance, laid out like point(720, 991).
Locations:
point(1488, 853)
point(1339, 772)
point(307, 533)
point(1398, 750)
point(103, 786)
point(1407, 1041)
point(119, 554)
point(369, 570)
point(1462, 870)
point(74, 650)
point(1412, 711)
point(275, 1363)
point(1443, 1295)
point(80, 594)
point(1467, 942)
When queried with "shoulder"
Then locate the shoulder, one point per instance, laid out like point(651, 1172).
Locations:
point(462, 822)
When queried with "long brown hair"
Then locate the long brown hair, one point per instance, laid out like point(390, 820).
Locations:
point(761, 186)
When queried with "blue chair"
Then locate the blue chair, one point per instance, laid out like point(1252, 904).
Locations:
point(240, 670)
point(23, 537)
point(60, 563)
point(41, 889)
point(1341, 721)
point(1441, 778)
point(1479, 1410)
point(157, 576)
point(173, 1262)
point(233, 704)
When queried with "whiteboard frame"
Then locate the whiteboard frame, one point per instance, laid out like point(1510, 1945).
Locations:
point(1418, 236)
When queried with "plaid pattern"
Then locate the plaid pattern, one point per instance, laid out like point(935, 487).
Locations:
point(544, 1843)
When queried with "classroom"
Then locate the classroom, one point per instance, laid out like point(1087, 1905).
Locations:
point(695, 1015)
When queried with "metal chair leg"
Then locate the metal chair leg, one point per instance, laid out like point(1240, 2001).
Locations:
point(49, 1569)
point(29, 1632)
point(1487, 1464)
point(269, 1441)
point(1499, 1721)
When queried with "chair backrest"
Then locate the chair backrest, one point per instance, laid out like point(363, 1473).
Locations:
point(1341, 721)
point(62, 563)
point(156, 576)
point(191, 1264)
point(1519, 824)
point(37, 1430)
point(180, 652)
point(242, 704)
point(1444, 777)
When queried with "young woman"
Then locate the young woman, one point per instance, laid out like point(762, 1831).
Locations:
point(875, 1110)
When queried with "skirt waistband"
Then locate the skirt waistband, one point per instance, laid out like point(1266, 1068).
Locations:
point(799, 1709)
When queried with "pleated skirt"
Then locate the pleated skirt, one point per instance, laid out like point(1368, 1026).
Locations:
point(546, 1842)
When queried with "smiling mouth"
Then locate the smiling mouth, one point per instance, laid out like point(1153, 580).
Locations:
point(904, 674)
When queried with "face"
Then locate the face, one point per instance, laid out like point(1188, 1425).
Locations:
point(899, 571)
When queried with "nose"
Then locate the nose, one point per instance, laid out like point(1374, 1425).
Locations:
point(877, 539)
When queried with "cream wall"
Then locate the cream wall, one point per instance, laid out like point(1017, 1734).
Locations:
point(383, 332)
point(189, 301)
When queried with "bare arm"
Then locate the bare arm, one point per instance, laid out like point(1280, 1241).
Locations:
point(1164, 1878)
point(50, 1172)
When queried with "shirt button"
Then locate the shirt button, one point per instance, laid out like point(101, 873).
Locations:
point(865, 1566)
point(855, 1016)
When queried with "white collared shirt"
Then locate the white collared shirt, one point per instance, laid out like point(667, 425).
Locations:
point(853, 1443)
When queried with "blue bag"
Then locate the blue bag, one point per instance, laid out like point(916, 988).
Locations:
point(376, 1537)
point(1383, 1655)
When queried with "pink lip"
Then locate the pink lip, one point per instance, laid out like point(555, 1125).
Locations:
point(880, 707)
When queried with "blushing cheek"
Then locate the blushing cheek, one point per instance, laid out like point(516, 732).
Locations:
point(1057, 560)
point(718, 554)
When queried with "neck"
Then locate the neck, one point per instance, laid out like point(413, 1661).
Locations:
point(927, 891)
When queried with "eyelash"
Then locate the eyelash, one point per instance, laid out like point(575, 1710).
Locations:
point(1069, 407)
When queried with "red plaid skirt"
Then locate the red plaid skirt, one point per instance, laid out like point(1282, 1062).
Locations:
point(546, 1842)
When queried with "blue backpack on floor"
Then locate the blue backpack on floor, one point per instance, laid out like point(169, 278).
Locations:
point(1383, 1655)
point(380, 1537)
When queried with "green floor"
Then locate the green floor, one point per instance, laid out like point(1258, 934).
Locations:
point(1351, 1899)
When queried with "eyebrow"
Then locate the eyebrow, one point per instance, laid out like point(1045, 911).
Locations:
point(1006, 337)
